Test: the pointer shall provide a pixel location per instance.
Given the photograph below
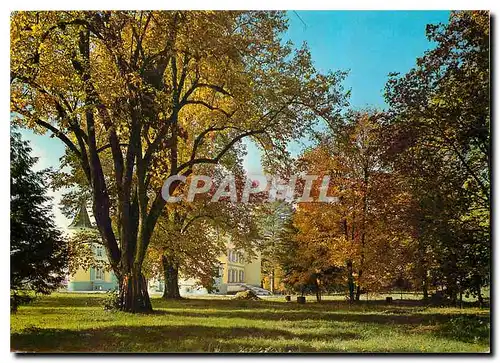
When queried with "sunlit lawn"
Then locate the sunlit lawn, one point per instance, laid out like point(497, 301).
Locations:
point(78, 323)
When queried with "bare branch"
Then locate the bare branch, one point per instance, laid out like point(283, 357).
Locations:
point(61, 136)
point(219, 156)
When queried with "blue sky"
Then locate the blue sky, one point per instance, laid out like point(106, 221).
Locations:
point(369, 44)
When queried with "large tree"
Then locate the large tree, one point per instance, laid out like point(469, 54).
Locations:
point(440, 131)
point(362, 231)
point(191, 237)
point(158, 92)
point(38, 251)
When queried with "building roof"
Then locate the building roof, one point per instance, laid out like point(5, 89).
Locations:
point(82, 219)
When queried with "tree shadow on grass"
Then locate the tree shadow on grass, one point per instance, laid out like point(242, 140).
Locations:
point(467, 328)
point(69, 301)
point(388, 317)
point(158, 302)
point(320, 310)
point(185, 338)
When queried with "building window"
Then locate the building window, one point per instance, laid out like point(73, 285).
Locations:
point(241, 275)
point(99, 274)
point(233, 275)
point(230, 256)
point(98, 251)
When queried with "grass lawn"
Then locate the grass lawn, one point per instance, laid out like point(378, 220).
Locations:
point(78, 323)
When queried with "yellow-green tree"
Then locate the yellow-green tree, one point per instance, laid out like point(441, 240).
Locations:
point(193, 235)
point(158, 92)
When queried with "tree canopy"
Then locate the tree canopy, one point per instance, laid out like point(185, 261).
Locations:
point(157, 93)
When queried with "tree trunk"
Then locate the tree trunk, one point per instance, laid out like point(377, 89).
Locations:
point(318, 291)
point(134, 297)
point(350, 281)
point(171, 276)
point(272, 281)
point(478, 284)
point(363, 235)
point(452, 293)
point(358, 287)
point(425, 289)
point(358, 292)
point(480, 297)
point(350, 278)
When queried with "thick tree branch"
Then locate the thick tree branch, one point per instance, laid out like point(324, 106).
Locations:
point(101, 202)
point(189, 164)
point(199, 138)
point(217, 88)
point(219, 156)
point(61, 136)
point(210, 107)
